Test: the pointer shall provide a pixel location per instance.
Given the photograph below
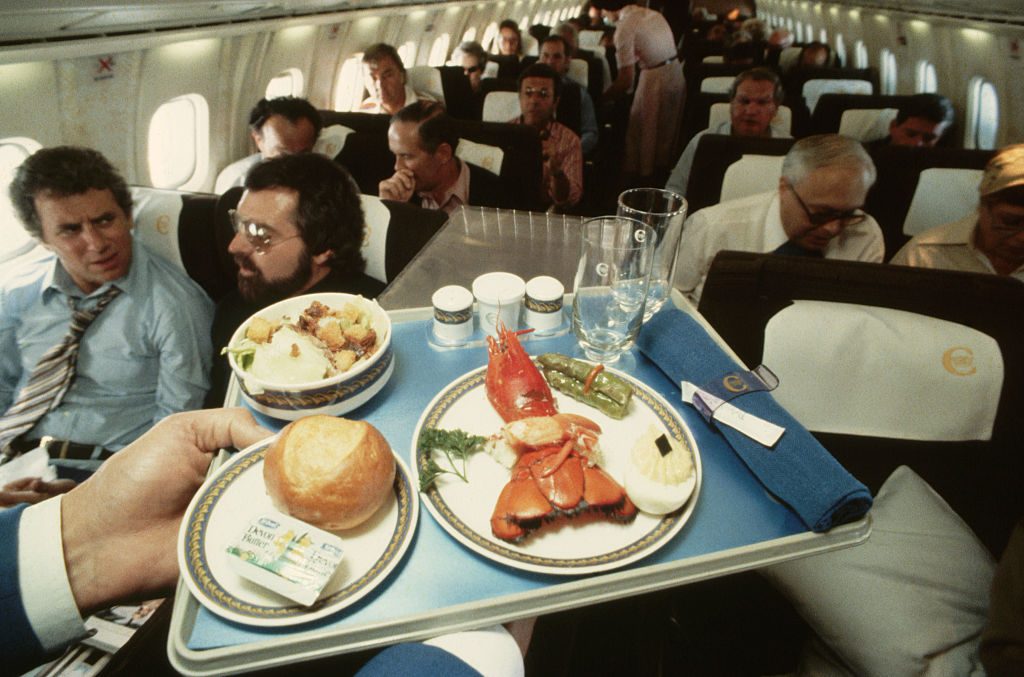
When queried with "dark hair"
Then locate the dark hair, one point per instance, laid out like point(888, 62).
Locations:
point(932, 107)
point(292, 108)
point(382, 50)
point(759, 75)
point(817, 46)
point(540, 70)
point(611, 5)
point(64, 171)
point(435, 125)
point(329, 214)
point(473, 49)
point(554, 37)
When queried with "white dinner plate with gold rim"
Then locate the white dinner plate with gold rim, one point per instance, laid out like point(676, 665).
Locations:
point(233, 496)
point(565, 547)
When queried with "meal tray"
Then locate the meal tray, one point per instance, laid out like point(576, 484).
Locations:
point(441, 586)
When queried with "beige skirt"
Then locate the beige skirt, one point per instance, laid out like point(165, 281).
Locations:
point(655, 120)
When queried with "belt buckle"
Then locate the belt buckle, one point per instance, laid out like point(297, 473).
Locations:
point(46, 442)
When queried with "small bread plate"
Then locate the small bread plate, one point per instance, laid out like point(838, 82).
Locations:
point(574, 546)
point(235, 494)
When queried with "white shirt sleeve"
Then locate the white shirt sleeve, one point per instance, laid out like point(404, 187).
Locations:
point(43, 577)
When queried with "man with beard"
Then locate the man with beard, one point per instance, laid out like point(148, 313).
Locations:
point(298, 230)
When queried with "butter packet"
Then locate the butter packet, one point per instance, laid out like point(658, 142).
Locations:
point(287, 556)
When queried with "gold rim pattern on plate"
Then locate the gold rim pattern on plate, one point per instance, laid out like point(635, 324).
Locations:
point(476, 379)
point(327, 395)
point(199, 570)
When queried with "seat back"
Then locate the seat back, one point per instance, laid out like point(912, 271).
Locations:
point(426, 80)
point(888, 366)
point(899, 169)
point(781, 124)
point(751, 174)
point(851, 81)
point(579, 72)
point(943, 195)
point(715, 153)
point(459, 98)
point(365, 153)
point(717, 84)
point(500, 106)
point(829, 112)
point(814, 88)
point(395, 232)
point(867, 124)
point(181, 227)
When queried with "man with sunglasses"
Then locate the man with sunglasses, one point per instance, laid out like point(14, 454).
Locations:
point(298, 230)
point(988, 240)
point(815, 211)
point(104, 336)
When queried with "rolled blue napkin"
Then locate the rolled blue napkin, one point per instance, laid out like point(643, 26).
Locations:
point(797, 470)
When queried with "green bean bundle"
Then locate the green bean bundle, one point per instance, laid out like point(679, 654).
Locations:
point(606, 392)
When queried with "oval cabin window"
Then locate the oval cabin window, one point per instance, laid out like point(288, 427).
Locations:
point(439, 50)
point(178, 143)
point(860, 54)
point(926, 79)
point(982, 114)
point(407, 52)
point(840, 48)
point(888, 75)
point(288, 82)
point(13, 238)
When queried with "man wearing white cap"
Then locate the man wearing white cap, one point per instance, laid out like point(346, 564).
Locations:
point(990, 240)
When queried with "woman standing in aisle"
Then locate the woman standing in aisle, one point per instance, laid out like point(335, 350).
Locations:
point(643, 39)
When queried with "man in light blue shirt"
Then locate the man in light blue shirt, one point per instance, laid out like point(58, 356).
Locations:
point(146, 355)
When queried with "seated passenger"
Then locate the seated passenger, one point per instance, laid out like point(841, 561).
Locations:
point(427, 173)
point(990, 240)
point(921, 122)
point(283, 126)
point(298, 230)
point(509, 58)
point(597, 66)
point(101, 339)
point(386, 74)
point(473, 59)
point(539, 89)
point(754, 99)
point(814, 55)
point(816, 211)
point(554, 51)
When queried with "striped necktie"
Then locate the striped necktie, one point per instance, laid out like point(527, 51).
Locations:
point(50, 379)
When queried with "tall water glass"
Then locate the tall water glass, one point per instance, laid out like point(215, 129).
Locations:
point(610, 288)
point(664, 211)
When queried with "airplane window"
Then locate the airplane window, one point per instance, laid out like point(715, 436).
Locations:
point(469, 35)
point(13, 238)
point(927, 81)
point(178, 143)
point(823, 36)
point(490, 35)
point(982, 114)
point(888, 74)
point(799, 31)
point(408, 54)
point(288, 82)
point(348, 90)
point(439, 51)
point(840, 48)
point(860, 54)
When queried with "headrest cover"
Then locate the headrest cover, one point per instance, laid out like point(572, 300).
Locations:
point(1003, 171)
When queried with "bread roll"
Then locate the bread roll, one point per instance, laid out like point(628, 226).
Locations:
point(330, 472)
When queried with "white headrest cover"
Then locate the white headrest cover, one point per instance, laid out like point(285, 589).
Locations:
point(751, 174)
point(375, 236)
point(481, 155)
point(501, 106)
point(332, 140)
point(864, 370)
point(867, 124)
point(943, 195)
point(813, 89)
point(155, 213)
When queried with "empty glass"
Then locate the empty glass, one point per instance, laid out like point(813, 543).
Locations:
point(664, 211)
point(610, 288)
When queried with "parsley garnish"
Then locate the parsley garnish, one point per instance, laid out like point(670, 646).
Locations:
point(456, 445)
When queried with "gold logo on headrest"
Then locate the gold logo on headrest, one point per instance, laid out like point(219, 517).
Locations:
point(163, 225)
point(734, 384)
point(959, 361)
point(488, 163)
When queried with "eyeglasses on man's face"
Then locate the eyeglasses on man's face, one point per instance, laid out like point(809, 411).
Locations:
point(257, 235)
point(850, 217)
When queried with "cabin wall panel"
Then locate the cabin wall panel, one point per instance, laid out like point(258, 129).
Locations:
point(230, 140)
point(328, 56)
point(98, 105)
point(169, 71)
point(31, 104)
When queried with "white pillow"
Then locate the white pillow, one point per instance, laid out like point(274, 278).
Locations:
point(912, 600)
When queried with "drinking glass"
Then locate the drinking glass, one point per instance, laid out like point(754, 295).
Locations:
point(664, 212)
point(610, 288)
